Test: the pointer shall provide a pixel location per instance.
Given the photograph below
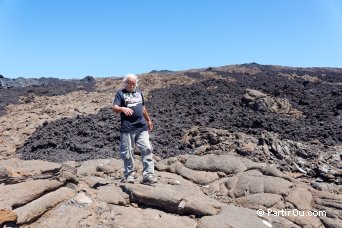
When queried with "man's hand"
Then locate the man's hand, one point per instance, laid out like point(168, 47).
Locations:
point(150, 125)
point(127, 111)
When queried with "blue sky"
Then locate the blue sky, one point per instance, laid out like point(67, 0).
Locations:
point(73, 39)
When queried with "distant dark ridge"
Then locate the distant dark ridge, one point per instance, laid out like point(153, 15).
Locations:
point(12, 89)
point(326, 74)
point(26, 82)
point(211, 103)
point(161, 72)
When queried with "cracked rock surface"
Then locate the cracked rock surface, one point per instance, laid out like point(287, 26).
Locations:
point(241, 187)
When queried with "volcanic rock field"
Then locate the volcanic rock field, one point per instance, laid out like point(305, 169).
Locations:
point(214, 129)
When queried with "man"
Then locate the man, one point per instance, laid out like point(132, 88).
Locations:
point(135, 123)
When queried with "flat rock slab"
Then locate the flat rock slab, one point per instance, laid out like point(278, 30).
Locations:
point(112, 195)
point(20, 194)
point(20, 168)
point(92, 167)
point(215, 163)
point(199, 177)
point(122, 217)
point(82, 199)
point(261, 200)
point(95, 182)
point(248, 184)
point(38, 207)
point(64, 216)
point(238, 217)
point(300, 197)
point(177, 199)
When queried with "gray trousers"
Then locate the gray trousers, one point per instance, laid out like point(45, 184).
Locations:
point(127, 145)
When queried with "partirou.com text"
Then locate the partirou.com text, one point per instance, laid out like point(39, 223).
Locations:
point(292, 212)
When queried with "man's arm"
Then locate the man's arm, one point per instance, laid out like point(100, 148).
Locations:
point(148, 119)
point(116, 105)
point(117, 109)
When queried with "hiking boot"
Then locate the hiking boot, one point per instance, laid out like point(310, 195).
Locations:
point(130, 179)
point(150, 180)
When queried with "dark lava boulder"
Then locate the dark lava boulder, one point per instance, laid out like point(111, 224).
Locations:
point(88, 79)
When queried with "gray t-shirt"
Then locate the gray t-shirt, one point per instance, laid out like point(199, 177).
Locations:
point(135, 101)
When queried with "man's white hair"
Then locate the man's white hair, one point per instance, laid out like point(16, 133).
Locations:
point(133, 76)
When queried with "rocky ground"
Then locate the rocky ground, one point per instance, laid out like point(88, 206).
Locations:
point(193, 191)
point(228, 141)
point(21, 90)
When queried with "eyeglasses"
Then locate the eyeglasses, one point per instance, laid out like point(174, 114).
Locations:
point(131, 83)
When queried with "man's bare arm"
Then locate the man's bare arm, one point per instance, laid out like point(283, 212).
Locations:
point(148, 119)
point(117, 109)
